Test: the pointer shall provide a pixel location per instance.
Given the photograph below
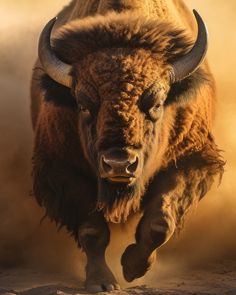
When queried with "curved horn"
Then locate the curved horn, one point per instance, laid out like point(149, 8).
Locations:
point(54, 67)
point(189, 63)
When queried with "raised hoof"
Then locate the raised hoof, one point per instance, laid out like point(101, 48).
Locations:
point(102, 288)
point(134, 264)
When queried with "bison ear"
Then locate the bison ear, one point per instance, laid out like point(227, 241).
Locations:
point(188, 88)
point(56, 93)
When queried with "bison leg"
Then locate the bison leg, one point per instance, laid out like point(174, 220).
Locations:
point(94, 237)
point(154, 229)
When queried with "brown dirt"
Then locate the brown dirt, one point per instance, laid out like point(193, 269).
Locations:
point(218, 279)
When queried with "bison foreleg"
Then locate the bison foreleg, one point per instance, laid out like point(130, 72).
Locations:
point(94, 237)
point(154, 229)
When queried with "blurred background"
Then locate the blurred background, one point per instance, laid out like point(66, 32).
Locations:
point(209, 233)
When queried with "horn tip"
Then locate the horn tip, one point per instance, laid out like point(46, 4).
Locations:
point(201, 22)
point(197, 16)
point(53, 20)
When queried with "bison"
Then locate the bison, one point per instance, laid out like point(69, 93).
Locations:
point(122, 109)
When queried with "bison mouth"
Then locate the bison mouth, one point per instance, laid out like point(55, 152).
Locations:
point(121, 179)
point(117, 187)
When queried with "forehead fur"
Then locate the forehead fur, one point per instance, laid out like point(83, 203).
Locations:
point(81, 37)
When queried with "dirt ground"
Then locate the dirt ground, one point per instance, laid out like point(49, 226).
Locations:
point(218, 278)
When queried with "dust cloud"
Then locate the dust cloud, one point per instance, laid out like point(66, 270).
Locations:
point(22, 239)
point(209, 233)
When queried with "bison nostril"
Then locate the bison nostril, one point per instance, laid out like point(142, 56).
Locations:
point(133, 167)
point(118, 165)
point(106, 167)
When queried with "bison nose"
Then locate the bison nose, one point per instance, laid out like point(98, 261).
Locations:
point(118, 165)
point(124, 166)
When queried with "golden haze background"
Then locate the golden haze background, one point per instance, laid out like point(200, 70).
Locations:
point(209, 232)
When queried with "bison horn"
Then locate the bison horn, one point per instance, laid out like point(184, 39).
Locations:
point(190, 62)
point(53, 66)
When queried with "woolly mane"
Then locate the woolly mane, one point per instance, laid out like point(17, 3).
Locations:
point(81, 37)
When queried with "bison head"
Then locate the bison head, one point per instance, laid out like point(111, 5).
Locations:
point(120, 72)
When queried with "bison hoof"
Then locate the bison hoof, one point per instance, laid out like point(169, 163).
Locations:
point(102, 288)
point(99, 278)
point(134, 264)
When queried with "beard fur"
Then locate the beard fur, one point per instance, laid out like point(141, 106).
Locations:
point(117, 201)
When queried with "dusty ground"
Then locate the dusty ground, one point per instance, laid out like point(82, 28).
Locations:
point(218, 278)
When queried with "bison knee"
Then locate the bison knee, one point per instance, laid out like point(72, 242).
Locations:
point(161, 232)
point(153, 231)
point(94, 238)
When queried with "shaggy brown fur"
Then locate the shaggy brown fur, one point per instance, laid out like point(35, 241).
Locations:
point(83, 37)
point(121, 64)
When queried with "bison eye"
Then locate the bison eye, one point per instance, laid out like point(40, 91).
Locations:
point(151, 102)
point(86, 107)
point(84, 111)
point(155, 112)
